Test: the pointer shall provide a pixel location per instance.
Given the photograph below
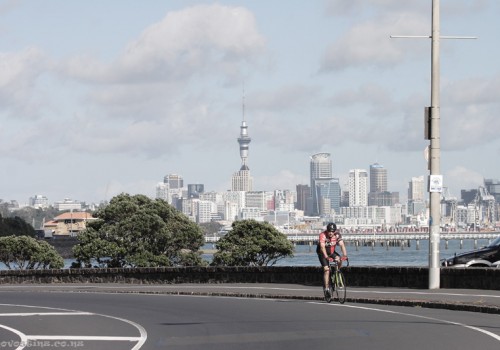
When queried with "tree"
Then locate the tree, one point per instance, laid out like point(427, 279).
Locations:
point(15, 226)
point(252, 243)
point(135, 231)
point(23, 252)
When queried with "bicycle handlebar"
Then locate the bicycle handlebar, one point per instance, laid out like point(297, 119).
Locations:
point(335, 262)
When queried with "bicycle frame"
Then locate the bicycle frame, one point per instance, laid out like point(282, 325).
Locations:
point(337, 282)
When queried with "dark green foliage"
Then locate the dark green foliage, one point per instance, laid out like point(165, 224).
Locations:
point(252, 243)
point(15, 226)
point(135, 231)
point(23, 252)
point(209, 228)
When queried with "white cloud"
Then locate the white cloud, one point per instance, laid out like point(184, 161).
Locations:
point(460, 177)
point(368, 44)
point(197, 41)
point(19, 72)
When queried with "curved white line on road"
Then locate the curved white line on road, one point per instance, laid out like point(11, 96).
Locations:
point(493, 335)
point(24, 339)
point(143, 335)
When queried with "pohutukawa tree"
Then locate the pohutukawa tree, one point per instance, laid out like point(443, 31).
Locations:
point(252, 243)
point(136, 231)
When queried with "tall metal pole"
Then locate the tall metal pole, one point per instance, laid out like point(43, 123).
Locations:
point(435, 182)
point(435, 155)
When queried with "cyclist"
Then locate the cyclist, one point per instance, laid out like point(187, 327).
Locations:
point(328, 241)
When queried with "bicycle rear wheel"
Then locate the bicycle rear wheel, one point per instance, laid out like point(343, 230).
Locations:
point(340, 287)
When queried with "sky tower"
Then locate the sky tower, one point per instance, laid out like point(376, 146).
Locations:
point(241, 180)
point(244, 140)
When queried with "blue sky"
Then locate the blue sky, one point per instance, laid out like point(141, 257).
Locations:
point(103, 97)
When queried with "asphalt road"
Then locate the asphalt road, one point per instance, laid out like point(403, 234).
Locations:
point(65, 317)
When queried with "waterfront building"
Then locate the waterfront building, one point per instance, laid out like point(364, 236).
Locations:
point(68, 224)
point(372, 215)
point(358, 187)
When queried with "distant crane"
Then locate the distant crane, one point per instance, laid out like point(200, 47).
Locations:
point(449, 208)
point(484, 207)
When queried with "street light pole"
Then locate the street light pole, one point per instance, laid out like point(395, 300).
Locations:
point(435, 179)
point(435, 182)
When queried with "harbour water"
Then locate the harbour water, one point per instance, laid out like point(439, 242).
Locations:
point(414, 254)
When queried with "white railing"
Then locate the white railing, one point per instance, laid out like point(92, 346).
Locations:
point(377, 237)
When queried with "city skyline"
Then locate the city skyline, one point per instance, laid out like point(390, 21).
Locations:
point(106, 97)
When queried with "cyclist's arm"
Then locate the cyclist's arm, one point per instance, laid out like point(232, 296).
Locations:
point(343, 248)
point(322, 246)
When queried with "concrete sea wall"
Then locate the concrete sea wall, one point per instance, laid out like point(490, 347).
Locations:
point(407, 277)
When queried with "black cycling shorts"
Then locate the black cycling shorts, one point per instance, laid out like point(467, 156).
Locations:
point(324, 261)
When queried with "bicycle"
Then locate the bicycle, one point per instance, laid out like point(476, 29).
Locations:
point(337, 283)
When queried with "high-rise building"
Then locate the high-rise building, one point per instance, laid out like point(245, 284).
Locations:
point(416, 189)
point(325, 189)
point(241, 180)
point(378, 178)
point(379, 195)
point(328, 193)
point(303, 193)
point(194, 190)
point(174, 181)
point(358, 188)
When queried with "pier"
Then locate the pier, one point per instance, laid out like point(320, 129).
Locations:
point(382, 238)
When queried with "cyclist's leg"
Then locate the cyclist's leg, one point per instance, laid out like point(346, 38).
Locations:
point(326, 271)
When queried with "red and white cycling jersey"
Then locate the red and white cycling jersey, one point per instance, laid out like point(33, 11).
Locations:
point(330, 243)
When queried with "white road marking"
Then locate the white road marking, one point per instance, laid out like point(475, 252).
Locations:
point(141, 339)
point(493, 335)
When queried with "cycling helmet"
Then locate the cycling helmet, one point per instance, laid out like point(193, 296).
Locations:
point(331, 227)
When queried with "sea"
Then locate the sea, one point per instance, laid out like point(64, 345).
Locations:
point(415, 253)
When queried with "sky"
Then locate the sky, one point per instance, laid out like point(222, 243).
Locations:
point(98, 98)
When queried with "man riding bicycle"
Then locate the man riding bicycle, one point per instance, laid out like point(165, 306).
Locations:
point(328, 241)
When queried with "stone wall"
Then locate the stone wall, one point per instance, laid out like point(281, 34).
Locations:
point(411, 277)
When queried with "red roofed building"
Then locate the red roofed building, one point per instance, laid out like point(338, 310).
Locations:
point(68, 224)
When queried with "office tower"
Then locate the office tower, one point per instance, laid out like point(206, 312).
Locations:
point(174, 181)
point(416, 189)
point(378, 178)
point(194, 190)
point(303, 193)
point(378, 195)
point(325, 190)
point(241, 180)
point(329, 194)
point(358, 188)
point(320, 167)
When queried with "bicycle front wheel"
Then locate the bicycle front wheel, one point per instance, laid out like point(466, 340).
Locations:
point(340, 287)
